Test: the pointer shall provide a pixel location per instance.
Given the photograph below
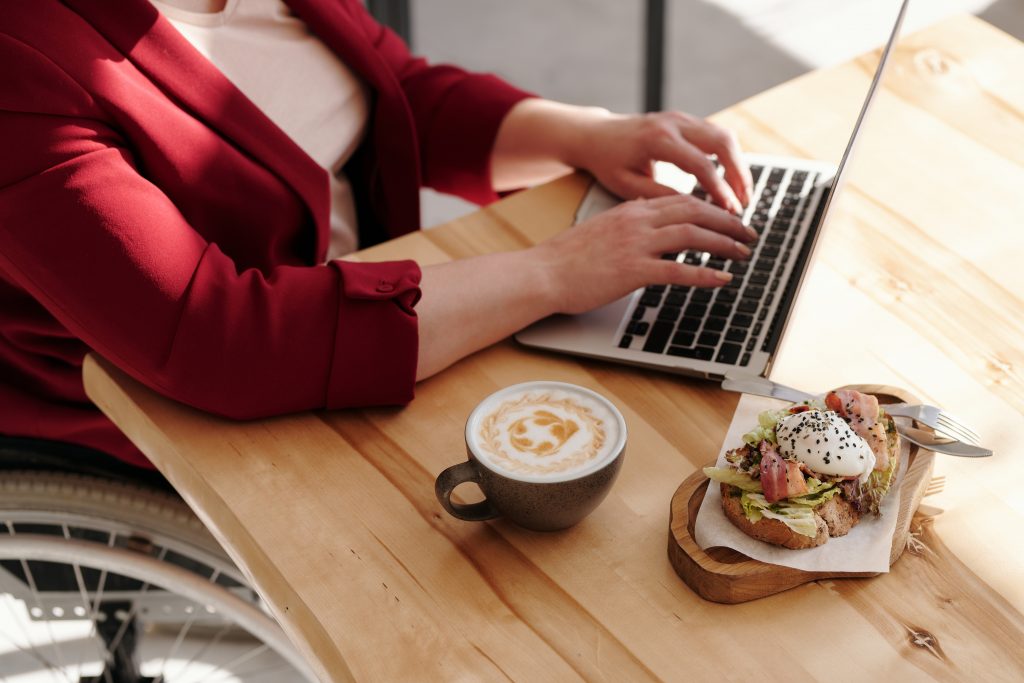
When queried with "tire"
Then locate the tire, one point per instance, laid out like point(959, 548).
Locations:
point(134, 568)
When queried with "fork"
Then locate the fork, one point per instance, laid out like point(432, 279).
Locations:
point(935, 418)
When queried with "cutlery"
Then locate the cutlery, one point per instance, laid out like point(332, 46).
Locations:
point(935, 418)
point(760, 386)
point(930, 442)
point(931, 416)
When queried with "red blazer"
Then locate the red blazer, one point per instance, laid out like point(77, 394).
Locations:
point(150, 212)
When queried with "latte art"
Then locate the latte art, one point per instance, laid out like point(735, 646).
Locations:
point(554, 432)
point(544, 432)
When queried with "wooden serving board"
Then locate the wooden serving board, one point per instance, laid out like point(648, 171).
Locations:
point(728, 576)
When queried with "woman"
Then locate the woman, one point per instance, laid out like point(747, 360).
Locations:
point(177, 176)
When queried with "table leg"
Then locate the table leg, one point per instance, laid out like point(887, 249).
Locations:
point(654, 55)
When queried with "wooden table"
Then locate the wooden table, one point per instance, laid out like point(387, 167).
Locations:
point(333, 515)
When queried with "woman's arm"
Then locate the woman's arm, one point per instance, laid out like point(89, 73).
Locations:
point(472, 303)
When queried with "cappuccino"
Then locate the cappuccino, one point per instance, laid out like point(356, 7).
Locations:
point(545, 431)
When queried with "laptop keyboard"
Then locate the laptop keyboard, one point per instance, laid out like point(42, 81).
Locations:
point(727, 324)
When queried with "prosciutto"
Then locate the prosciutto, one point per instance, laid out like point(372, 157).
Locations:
point(780, 478)
point(861, 412)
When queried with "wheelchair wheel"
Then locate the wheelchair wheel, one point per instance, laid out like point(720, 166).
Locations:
point(113, 582)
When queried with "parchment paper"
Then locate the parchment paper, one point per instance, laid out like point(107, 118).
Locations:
point(865, 549)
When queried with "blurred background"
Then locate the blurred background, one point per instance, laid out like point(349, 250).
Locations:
point(716, 52)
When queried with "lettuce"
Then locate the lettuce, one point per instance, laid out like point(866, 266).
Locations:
point(874, 489)
point(727, 475)
point(818, 492)
point(797, 513)
point(799, 518)
point(765, 429)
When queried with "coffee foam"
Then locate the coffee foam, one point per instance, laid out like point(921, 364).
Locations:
point(544, 431)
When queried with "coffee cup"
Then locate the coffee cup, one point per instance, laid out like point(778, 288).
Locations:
point(544, 454)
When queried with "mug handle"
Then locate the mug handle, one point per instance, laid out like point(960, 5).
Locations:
point(452, 477)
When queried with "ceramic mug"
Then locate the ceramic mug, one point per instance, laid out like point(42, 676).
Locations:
point(545, 454)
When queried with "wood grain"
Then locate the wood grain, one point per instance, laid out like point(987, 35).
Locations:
point(917, 284)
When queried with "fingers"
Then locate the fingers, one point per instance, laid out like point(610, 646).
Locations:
point(676, 238)
point(713, 139)
point(671, 273)
point(684, 154)
point(683, 209)
point(737, 172)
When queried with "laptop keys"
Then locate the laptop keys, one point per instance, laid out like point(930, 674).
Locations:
point(729, 353)
point(721, 310)
point(753, 292)
point(726, 296)
point(675, 299)
point(736, 334)
point(747, 306)
point(759, 277)
point(714, 324)
point(669, 313)
point(724, 324)
point(739, 267)
point(708, 338)
point(696, 310)
point(659, 336)
point(683, 338)
point(650, 299)
point(698, 352)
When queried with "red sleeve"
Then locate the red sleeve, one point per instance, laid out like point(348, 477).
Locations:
point(457, 114)
point(111, 257)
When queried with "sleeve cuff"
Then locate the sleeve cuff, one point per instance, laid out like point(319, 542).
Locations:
point(377, 336)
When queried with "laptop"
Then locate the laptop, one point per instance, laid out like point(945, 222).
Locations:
point(735, 329)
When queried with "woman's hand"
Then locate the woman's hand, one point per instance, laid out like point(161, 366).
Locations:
point(619, 251)
point(620, 152)
point(540, 139)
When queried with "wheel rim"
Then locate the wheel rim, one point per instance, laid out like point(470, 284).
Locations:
point(166, 593)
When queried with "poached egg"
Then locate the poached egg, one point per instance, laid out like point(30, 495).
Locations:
point(825, 443)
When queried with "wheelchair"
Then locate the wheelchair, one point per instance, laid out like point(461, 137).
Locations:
point(106, 576)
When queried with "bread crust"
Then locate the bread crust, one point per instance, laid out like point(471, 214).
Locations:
point(769, 530)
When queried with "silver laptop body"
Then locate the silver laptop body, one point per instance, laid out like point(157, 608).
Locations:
point(713, 332)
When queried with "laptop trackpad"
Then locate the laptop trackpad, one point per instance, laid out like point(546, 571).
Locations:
point(592, 332)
